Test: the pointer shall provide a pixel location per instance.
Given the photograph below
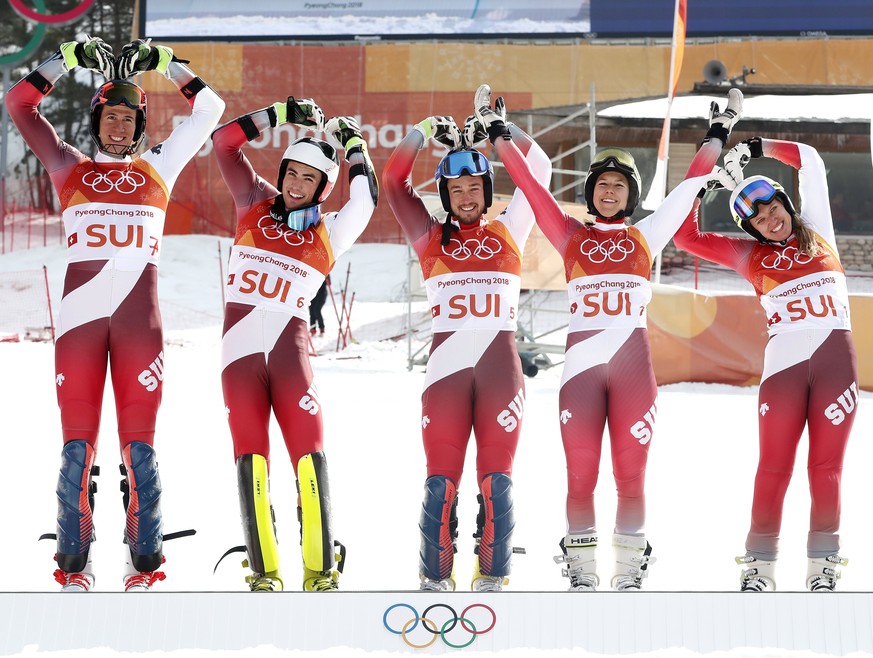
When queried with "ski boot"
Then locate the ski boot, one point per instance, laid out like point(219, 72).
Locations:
point(141, 489)
point(325, 580)
point(438, 528)
point(758, 576)
point(139, 581)
point(494, 526)
point(265, 582)
point(633, 555)
point(320, 581)
point(484, 583)
point(259, 525)
point(430, 585)
point(578, 554)
point(75, 492)
point(822, 573)
point(321, 553)
point(77, 581)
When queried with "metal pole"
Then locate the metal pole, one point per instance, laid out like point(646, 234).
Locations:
point(4, 128)
point(222, 280)
point(48, 298)
point(408, 306)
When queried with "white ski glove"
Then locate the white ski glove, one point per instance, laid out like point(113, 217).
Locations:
point(736, 159)
point(492, 119)
point(474, 132)
point(721, 123)
point(443, 129)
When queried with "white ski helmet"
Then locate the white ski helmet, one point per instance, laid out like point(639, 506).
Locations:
point(317, 154)
point(752, 192)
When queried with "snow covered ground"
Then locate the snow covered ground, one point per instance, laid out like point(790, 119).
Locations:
point(699, 485)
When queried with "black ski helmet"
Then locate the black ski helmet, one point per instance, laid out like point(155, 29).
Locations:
point(464, 162)
point(752, 192)
point(119, 92)
point(614, 159)
point(319, 155)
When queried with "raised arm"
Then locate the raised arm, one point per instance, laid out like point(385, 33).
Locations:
point(659, 227)
point(24, 97)
point(724, 250)
point(206, 105)
point(352, 219)
point(520, 216)
point(246, 187)
point(720, 126)
point(406, 204)
point(552, 220)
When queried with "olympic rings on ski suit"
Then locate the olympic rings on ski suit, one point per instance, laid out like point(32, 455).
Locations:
point(431, 626)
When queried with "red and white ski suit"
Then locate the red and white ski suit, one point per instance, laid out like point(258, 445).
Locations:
point(810, 367)
point(113, 212)
point(274, 273)
point(474, 380)
point(608, 376)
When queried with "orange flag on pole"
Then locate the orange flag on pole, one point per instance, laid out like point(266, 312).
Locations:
point(659, 184)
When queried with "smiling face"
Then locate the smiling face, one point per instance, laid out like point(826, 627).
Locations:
point(611, 193)
point(299, 185)
point(467, 198)
point(116, 128)
point(773, 221)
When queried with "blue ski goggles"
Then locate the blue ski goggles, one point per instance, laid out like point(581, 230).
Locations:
point(463, 163)
point(302, 219)
point(757, 192)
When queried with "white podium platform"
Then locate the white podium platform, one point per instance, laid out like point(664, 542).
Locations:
point(605, 623)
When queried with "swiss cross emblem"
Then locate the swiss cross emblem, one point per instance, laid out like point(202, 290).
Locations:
point(73, 239)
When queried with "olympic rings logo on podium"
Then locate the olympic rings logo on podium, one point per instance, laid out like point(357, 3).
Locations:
point(439, 629)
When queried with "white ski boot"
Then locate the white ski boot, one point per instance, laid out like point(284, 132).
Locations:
point(431, 585)
point(579, 556)
point(822, 573)
point(139, 581)
point(77, 581)
point(758, 576)
point(633, 555)
point(484, 583)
